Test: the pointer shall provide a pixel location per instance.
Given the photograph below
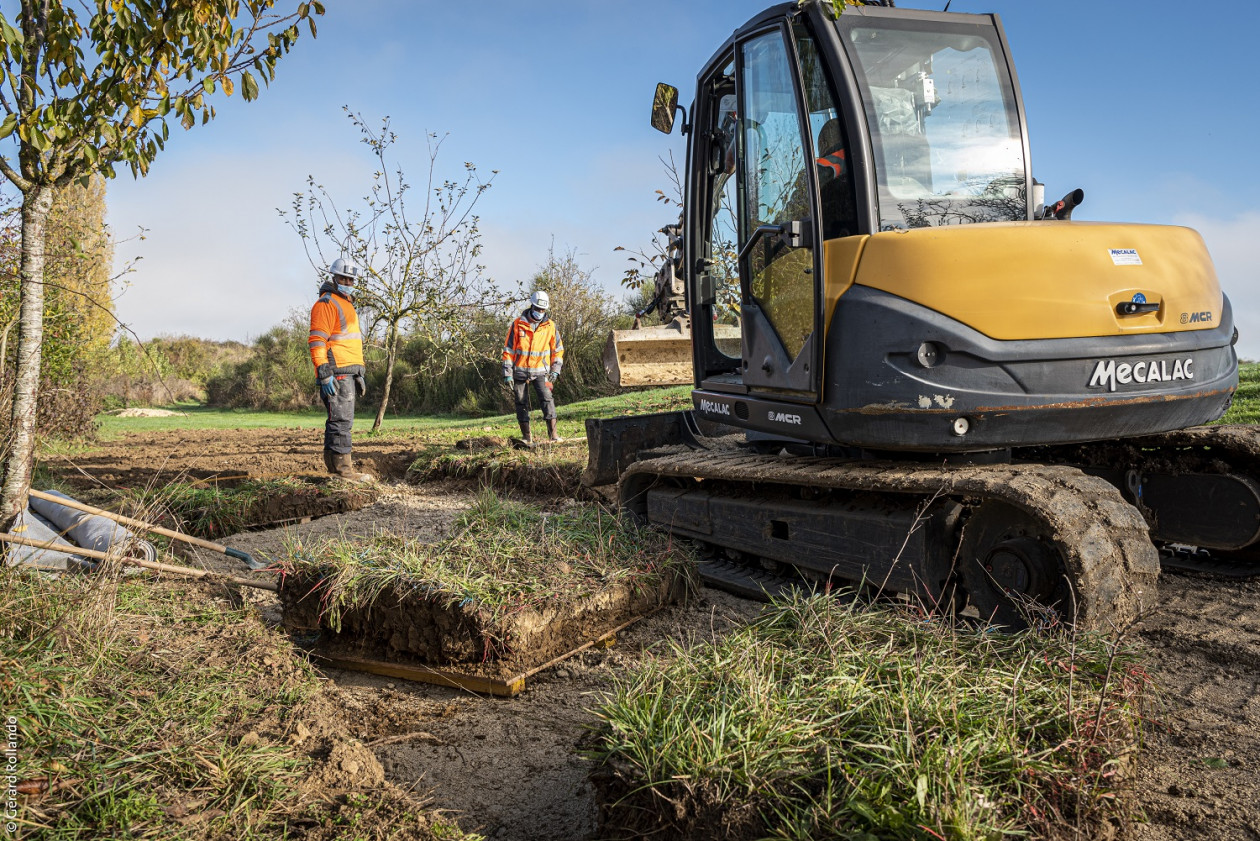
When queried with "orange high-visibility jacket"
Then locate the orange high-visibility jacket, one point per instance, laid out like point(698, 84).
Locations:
point(335, 336)
point(532, 349)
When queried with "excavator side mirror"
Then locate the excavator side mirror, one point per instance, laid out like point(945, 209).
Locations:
point(663, 107)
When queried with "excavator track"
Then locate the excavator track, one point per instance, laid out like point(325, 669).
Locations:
point(1197, 487)
point(1207, 449)
point(1101, 541)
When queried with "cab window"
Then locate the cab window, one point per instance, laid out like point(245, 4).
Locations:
point(776, 187)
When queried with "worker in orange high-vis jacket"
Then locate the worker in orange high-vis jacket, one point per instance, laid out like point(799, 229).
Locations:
point(337, 353)
point(533, 353)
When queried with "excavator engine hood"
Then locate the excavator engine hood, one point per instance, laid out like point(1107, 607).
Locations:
point(1017, 281)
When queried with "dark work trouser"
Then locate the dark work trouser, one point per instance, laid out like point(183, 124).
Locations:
point(340, 415)
point(520, 392)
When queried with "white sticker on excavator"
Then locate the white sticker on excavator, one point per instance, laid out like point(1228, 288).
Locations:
point(1125, 256)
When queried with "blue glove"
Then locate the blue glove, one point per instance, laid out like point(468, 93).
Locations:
point(328, 386)
point(507, 380)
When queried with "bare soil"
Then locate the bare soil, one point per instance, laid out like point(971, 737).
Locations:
point(511, 769)
point(136, 460)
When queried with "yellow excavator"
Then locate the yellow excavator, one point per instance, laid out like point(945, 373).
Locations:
point(939, 384)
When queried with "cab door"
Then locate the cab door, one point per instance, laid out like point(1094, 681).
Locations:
point(779, 265)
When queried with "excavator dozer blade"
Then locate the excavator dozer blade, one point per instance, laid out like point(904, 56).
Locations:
point(649, 356)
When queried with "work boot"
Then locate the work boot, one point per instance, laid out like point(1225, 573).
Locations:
point(329, 462)
point(552, 435)
point(345, 469)
point(525, 436)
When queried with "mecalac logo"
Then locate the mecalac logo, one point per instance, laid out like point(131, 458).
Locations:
point(1196, 317)
point(714, 408)
point(783, 417)
point(1108, 373)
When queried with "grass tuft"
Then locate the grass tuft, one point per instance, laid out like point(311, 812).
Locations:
point(831, 720)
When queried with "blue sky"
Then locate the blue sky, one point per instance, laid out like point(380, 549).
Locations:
point(1149, 105)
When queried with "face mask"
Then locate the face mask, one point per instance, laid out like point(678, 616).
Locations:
point(536, 314)
point(347, 291)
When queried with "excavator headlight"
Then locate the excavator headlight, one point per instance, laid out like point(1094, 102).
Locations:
point(961, 426)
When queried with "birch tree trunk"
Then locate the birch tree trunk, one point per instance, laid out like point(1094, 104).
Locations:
point(20, 459)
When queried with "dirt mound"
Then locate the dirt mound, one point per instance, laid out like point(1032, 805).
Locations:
point(350, 766)
point(485, 442)
point(150, 413)
point(545, 470)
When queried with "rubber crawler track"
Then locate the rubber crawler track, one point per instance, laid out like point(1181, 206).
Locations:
point(1103, 540)
point(1226, 448)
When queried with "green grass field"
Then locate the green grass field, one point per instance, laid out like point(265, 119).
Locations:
point(572, 417)
point(150, 711)
point(1246, 408)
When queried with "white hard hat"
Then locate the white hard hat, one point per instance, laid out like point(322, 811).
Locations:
point(539, 300)
point(344, 267)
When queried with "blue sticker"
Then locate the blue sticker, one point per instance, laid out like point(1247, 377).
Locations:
point(1139, 298)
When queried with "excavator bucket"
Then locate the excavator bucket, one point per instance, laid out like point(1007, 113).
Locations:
point(650, 355)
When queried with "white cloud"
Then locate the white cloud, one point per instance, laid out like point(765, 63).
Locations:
point(217, 261)
point(1231, 242)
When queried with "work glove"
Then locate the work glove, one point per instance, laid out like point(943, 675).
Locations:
point(552, 377)
point(361, 382)
point(507, 380)
point(328, 386)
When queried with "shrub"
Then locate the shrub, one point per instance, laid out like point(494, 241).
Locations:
point(277, 375)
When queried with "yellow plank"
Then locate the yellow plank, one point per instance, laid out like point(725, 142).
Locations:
point(424, 674)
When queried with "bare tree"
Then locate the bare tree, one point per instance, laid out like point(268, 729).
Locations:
point(421, 269)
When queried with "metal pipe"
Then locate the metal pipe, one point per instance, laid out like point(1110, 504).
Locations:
point(244, 557)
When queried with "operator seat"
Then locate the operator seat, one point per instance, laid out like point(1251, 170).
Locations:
point(835, 183)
